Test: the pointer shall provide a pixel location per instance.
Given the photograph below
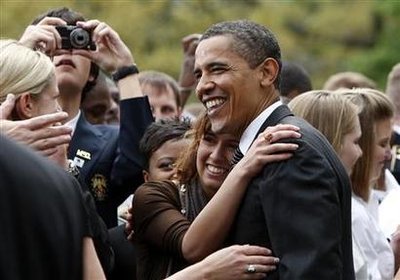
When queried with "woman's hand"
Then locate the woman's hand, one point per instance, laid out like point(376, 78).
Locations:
point(234, 262)
point(265, 148)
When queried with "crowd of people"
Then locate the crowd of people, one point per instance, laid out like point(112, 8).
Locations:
point(107, 173)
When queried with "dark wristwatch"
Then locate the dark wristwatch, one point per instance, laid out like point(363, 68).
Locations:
point(124, 72)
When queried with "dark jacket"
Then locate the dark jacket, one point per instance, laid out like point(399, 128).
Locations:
point(300, 209)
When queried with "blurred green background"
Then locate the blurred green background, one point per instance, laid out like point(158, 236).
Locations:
point(326, 37)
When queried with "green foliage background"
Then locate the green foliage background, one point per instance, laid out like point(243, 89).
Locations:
point(324, 36)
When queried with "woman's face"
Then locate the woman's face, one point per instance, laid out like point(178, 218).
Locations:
point(383, 130)
point(350, 150)
point(46, 101)
point(162, 161)
point(214, 156)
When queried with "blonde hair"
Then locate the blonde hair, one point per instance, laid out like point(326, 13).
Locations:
point(332, 114)
point(375, 106)
point(23, 69)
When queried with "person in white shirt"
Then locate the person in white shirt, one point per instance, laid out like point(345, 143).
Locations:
point(376, 119)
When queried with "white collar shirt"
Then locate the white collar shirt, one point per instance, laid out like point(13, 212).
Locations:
point(250, 132)
point(73, 122)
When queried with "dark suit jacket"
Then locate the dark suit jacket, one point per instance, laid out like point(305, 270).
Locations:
point(42, 216)
point(108, 156)
point(301, 209)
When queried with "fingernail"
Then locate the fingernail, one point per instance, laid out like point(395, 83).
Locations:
point(276, 260)
point(10, 96)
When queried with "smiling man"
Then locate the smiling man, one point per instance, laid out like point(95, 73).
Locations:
point(300, 208)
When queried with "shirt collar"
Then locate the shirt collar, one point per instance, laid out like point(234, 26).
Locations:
point(251, 131)
point(72, 122)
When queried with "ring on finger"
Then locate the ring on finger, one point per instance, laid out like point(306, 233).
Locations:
point(251, 268)
point(268, 137)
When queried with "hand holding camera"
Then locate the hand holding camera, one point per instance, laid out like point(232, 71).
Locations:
point(92, 39)
point(53, 34)
point(43, 36)
point(111, 52)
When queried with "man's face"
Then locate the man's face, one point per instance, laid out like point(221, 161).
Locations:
point(97, 104)
point(227, 86)
point(162, 102)
point(72, 72)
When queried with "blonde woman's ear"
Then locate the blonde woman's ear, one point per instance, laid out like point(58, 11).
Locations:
point(23, 107)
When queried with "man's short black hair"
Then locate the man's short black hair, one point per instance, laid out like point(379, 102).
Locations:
point(251, 40)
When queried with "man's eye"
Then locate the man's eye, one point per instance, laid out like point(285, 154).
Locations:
point(197, 75)
point(218, 69)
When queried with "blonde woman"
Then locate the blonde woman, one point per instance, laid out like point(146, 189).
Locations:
point(334, 116)
point(29, 75)
point(331, 112)
point(376, 125)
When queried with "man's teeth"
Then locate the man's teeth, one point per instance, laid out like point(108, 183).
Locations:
point(215, 102)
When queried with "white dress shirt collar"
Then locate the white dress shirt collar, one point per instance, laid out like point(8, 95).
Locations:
point(72, 122)
point(250, 132)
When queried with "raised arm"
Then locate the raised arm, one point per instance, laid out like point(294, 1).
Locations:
point(209, 229)
point(187, 81)
point(113, 56)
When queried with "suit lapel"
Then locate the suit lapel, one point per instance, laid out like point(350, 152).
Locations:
point(85, 144)
point(278, 114)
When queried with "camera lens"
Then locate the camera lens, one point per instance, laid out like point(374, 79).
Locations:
point(79, 38)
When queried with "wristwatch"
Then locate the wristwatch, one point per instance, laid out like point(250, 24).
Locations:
point(124, 72)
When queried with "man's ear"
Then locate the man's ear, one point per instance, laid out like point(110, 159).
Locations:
point(269, 70)
point(145, 175)
point(24, 107)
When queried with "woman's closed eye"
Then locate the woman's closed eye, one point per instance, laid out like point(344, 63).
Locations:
point(167, 165)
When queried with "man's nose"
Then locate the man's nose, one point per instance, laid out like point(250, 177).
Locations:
point(204, 85)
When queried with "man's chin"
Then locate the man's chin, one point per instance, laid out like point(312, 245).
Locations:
point(68, 84)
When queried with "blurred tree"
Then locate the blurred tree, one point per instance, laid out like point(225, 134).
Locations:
point(325, 37)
